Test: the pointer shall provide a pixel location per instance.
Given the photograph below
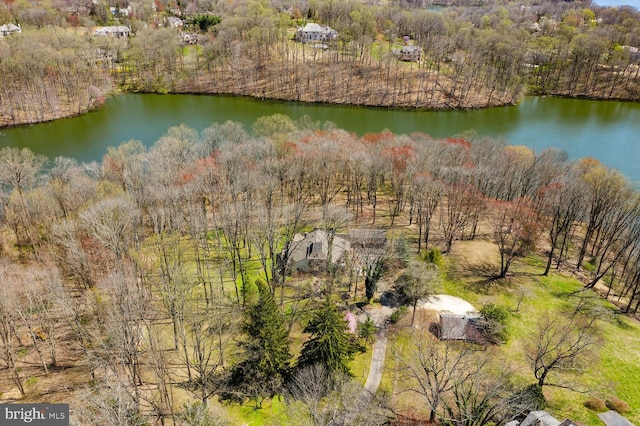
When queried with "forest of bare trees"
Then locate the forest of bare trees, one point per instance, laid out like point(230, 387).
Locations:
point(477, 56)
point(156, 284)
point(141, 272)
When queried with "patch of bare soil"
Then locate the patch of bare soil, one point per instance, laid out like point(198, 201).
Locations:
point(446, 303)
point(477, 262)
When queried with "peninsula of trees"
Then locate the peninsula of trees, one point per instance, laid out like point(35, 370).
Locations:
point(156, 287)
point(466, 54)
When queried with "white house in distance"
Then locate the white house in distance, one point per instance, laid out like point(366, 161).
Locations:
point(113, 31)
point(411, 53)
point(9, 29)
point(314, 33)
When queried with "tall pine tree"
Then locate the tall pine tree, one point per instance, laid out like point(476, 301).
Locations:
point(265, 353)
point(330, 344)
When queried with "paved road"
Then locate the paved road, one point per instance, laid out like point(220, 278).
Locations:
point(377, 364)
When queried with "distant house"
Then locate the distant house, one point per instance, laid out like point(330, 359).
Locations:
point(633, 52)
point(314, 33)
point(411, 53)
point(188, 38)
point(113, 31)
point(460, 327)
point(310, 252)
point(174, 22)
point(9, 29)
point(118, 11)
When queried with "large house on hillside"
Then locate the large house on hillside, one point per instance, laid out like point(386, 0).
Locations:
point(411, 53)
point(113, 31)
point(315, 33)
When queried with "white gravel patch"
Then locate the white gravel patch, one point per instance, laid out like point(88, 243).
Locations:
point(446, 303)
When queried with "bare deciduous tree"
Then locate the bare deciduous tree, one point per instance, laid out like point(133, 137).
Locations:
point(432, 369)
point(561, 348)
point(316, 397)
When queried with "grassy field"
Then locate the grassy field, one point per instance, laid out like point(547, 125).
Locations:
point(529, 297)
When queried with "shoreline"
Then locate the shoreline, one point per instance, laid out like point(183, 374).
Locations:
point(116, 93)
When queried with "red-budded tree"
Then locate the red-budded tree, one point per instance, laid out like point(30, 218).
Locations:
point(516, 230)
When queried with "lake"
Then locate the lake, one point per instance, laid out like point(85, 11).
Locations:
point(606, 130)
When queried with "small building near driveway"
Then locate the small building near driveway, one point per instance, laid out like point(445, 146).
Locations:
point(460, 327)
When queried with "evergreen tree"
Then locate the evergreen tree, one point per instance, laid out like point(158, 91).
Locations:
point(373, 272)
point(330, 344)
point(266, 357)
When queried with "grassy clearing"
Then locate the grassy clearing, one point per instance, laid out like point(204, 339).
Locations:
point(273, 412)
point(530, 296)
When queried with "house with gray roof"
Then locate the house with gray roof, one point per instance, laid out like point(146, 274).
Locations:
point(312, 252)
point(460, 327)
point(540, 418)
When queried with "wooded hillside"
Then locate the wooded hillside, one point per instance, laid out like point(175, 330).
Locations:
point(470, 56)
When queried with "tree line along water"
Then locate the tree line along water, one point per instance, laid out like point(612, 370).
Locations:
point(606, 130)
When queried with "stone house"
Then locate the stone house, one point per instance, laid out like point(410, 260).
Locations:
point(411, 53)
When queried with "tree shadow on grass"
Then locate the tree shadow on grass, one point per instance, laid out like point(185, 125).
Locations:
point(482, 277)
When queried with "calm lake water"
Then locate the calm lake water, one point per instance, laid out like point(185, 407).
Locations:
point(606, 130)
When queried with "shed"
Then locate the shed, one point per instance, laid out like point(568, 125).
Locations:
point(612, 418)
point(460, 327)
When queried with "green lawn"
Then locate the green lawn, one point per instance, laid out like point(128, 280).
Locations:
point(529, 296)
point(615, 374)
